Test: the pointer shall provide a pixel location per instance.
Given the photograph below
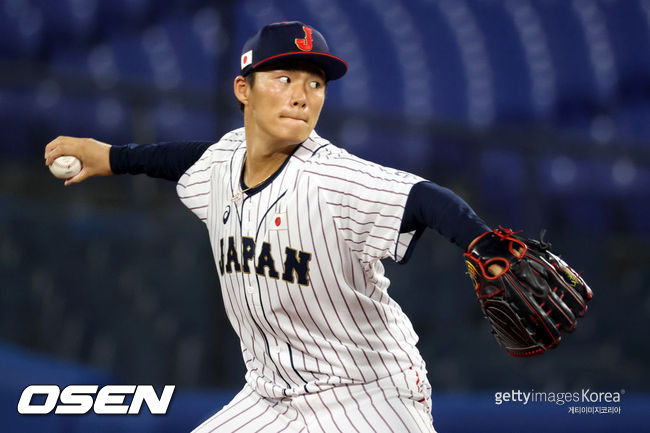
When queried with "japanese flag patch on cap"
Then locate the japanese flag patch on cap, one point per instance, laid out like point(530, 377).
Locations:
point(246, 59)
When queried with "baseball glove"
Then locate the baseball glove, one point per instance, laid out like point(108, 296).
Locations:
point(534, 299)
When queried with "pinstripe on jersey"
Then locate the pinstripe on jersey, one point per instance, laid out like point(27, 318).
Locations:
point(299, 265)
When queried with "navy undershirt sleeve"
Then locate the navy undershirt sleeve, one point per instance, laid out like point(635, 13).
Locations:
point(430, 205)
point(162, 160)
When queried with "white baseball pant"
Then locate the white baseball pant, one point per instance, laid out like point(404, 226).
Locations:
point(396, 404)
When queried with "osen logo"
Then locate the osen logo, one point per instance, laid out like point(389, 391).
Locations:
point(80, 399)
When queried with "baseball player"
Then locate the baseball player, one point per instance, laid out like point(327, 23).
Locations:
point(298, 228)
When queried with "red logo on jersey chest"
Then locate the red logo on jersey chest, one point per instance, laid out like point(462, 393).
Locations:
point(307, 43)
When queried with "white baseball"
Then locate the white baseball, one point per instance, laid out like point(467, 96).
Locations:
point(64, 167)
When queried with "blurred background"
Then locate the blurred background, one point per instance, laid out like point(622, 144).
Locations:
point(537, 112)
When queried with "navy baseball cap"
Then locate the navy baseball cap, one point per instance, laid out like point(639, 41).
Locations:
point(290, 40)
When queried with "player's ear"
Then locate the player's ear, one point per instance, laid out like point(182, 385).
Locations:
point(241, 89)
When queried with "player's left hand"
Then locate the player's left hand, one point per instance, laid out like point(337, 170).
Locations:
point(529, 295)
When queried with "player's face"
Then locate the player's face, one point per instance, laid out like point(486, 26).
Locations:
point(283, 106)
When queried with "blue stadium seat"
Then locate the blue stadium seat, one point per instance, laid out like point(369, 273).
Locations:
point(509, 69)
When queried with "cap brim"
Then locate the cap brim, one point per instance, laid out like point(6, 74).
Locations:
point(333, 66)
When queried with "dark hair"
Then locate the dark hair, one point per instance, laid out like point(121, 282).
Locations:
point(289, 65)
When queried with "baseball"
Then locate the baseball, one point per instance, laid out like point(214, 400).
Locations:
point(64, 167)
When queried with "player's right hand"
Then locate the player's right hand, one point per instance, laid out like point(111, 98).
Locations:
point(93, 154)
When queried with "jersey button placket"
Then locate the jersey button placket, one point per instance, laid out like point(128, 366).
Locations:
point(275, 352)
point(251, 292)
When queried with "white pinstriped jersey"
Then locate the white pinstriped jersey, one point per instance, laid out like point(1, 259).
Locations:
point(299, 264)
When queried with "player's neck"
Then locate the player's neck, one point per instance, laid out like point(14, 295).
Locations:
point(263, 161)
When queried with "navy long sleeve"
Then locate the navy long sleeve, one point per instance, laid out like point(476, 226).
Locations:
point(430, 205)
point(163, 160)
